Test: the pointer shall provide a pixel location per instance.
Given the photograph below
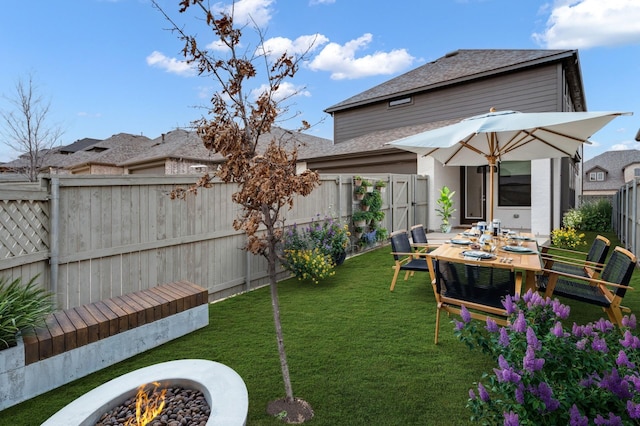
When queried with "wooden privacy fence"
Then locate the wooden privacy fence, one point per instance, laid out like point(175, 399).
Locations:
point(96, 237)
point(626, 215)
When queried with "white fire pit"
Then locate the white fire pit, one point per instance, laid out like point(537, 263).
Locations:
point(222, 387)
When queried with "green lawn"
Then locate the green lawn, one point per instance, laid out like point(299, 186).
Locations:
point(358, 353)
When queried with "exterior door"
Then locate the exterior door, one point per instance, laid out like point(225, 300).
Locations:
point(473, 194)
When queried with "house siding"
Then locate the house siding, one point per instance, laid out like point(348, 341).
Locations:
point(537, 89)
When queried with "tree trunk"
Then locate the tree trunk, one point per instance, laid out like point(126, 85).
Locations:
point(275, 304)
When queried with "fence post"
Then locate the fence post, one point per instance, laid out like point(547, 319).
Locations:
point(634, 212)
point(54, 248)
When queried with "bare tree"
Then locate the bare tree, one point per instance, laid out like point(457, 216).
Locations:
point(265, 171)
point(26, 127)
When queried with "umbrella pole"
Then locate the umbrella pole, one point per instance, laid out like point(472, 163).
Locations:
point(492, 163)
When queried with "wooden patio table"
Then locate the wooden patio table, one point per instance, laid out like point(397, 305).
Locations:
point(529, 264)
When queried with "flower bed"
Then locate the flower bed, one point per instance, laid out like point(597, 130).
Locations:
point(547, 374)
point(313, 251)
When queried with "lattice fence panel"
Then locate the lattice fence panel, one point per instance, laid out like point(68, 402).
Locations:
point(24, 227)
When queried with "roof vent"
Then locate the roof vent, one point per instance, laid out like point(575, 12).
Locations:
point(450, 54)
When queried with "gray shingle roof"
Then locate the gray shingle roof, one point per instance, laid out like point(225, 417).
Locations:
point(78, 145)
point(454, 67)
point(369, 143)
point(183, 144)
point(179, 143)
point(614, 163)
point(111, 151)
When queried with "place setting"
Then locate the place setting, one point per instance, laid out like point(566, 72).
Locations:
point(518, 249)
point(460, 241)
point(477, 255)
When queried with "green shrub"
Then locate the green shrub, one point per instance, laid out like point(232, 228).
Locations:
point(21, 307)
point(309, 264)
point(596, 216)
point(572, 219)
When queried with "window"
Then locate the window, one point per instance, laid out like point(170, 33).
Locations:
point(596, 176)
point(514, 183)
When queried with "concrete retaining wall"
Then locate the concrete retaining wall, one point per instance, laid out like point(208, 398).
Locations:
point(20, 382)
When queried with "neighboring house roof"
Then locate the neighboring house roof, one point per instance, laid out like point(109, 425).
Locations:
point(187, 145)
point(111, 151)
point(613, 163)
point(177, 144)
point(453, 68)
point(78, 145)
point(88, 151)
point(47, 158)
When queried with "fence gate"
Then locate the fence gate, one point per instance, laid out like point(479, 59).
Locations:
point(409, 201)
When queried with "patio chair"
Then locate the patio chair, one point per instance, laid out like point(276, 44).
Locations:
point(406, 259)
point(587, 266)
point(478, 288)
point(419, 238)
point(606, 292)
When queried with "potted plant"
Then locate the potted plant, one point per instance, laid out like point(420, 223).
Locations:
point(357, 180)
point(373, 200)
point(380, 185)
point(24, 306)
point(367, 185)
point(360, 218)
point(445, 208)
point(359, 192)
point(382, 234)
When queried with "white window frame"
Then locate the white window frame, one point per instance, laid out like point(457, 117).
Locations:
point(596, 176)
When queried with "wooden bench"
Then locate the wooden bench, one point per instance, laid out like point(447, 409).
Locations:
point(79, 326)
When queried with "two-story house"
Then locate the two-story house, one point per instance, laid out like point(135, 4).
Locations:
point(604, 174)
point(458, 85)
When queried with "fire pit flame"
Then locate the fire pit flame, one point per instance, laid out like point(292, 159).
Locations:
point(148, 406)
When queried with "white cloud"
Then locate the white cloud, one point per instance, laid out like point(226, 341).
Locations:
point(217, 46)
point(276, 46)
point(576, 24)
point(286, 90)
point(343, 64)
point(316, 2)
point(249, 12)
point(171, 65)
point(621, 146)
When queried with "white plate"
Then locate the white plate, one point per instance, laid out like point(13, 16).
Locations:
point(477, 254)
point(517, 249)
point(463, 242)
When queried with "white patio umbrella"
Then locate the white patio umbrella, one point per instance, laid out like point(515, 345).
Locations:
point(507, 136)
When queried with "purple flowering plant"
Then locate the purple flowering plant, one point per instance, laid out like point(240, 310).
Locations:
point(549, 374)
point(311, 252)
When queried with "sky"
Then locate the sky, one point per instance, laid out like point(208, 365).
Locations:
point(112, 66)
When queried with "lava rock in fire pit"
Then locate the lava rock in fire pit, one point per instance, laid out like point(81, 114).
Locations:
point(183, 407)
